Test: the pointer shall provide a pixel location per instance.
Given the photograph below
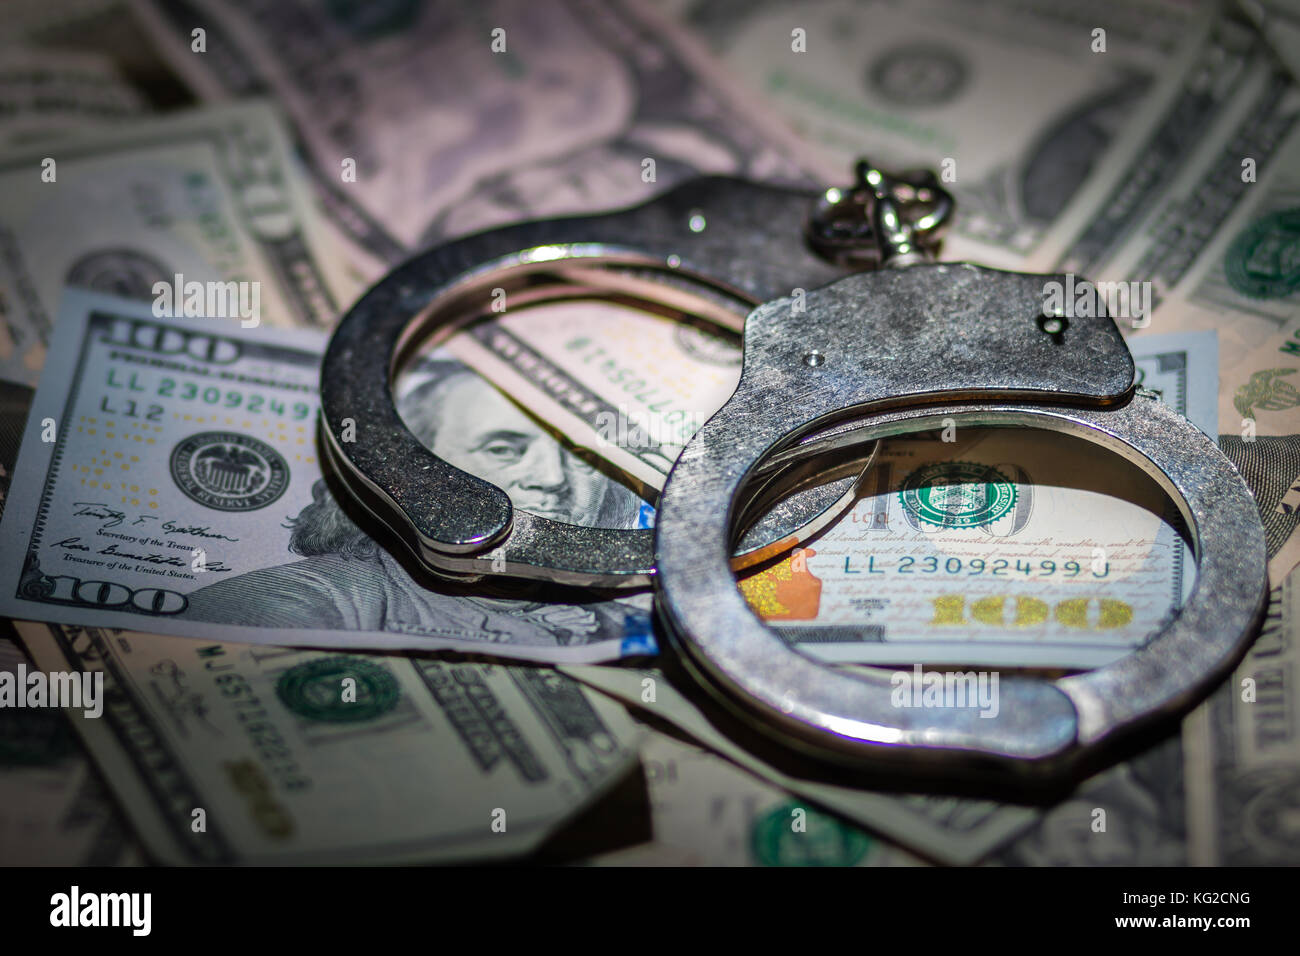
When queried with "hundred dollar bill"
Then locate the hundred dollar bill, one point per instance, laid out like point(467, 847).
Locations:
point(1243, 751)
point(992, 548)
point(228, 753)
point(1248, 283)
point(928, 85)
point(169, 480)
point(208, 200)
point(901, 575)
point(943, 828)
point(630, 386)
point(1237, 272)
point(998, 547)
point(1249, 274)
point(1210, 250)
point(576, 105)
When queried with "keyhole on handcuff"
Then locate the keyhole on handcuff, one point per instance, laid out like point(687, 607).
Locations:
point(1054, 325)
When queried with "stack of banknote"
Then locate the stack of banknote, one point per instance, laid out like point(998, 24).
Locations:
point(302, 149)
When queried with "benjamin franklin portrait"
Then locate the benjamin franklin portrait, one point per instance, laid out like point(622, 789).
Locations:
point(345, 580)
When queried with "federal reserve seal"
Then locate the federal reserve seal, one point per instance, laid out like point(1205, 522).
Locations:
point(228, 471)
point(792, 835)
point(957, 494)
point(1263, 262)
point(316, 689)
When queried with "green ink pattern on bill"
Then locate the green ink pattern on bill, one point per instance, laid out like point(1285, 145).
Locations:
point(792, 835)
point(1264, 261)
point(1268, 390)
point(1243, 751)
point(958, 494)
point(318, 690)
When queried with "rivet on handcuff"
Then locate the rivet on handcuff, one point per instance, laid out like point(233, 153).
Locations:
point(895, 349)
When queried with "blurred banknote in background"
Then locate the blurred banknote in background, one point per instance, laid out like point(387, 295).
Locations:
point(193, 199)
point(930, 84)
point(42, 94)
point(172, 527)
point(559, 118)
point(287, 770)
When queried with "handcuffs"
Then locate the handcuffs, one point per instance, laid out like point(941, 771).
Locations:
point(907, 345)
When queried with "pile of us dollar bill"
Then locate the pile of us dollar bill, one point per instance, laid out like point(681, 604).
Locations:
point(267, 679)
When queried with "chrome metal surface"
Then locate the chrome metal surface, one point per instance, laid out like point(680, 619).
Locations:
point(904, 350)
point(882, 219)
point(825, 375)
point(750, 247)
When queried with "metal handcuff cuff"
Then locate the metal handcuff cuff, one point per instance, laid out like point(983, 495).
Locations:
point(899, 348)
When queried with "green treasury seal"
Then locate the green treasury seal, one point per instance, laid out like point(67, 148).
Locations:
point(229, 471)
point(791, 835)
point(1263, 262)
point(958, 494)
point(315, 690)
